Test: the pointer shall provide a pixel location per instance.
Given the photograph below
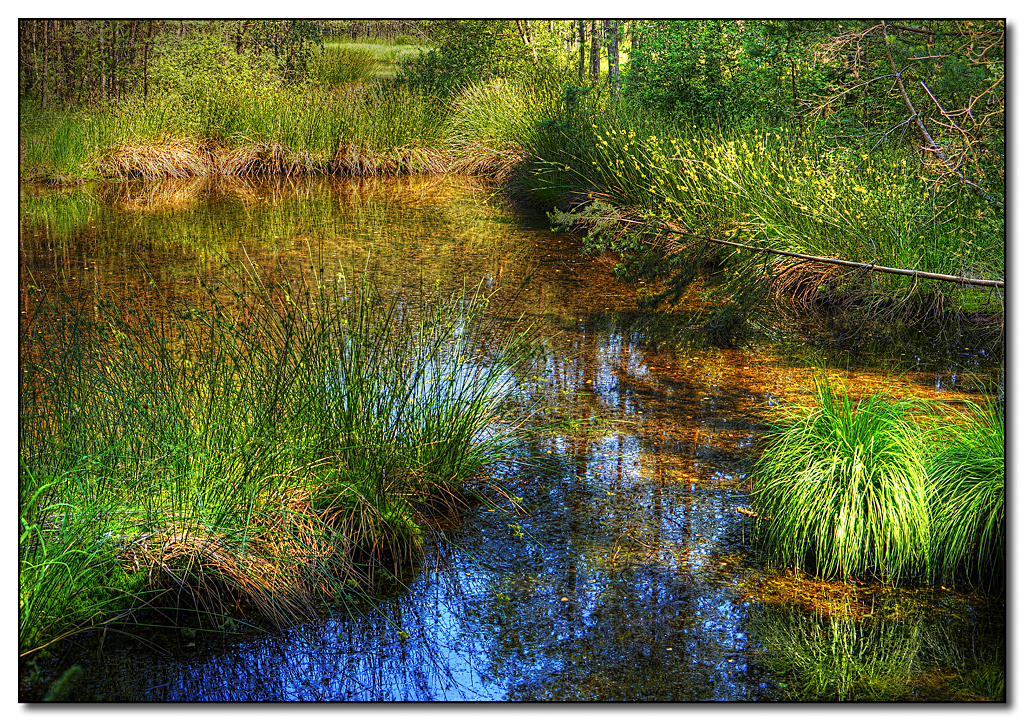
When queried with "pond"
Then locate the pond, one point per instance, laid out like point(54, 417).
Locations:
point(620, 568)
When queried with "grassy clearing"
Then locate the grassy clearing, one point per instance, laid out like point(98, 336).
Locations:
point(884, 487)
point(268, 452)
point(346, 61)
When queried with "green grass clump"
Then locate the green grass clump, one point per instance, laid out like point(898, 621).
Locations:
point(767, 187)
point(898, 489)
point(842, 488)
point(967, 470)
point(491, 123)
point(266, 449)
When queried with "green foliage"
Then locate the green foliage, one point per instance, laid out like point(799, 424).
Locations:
point(842, 488)
point(189, 65)
point(68, 555)
point(64, 687)
point(292, 43)
point(200, 431)
point(766, 188)
point(850, 489)
point(471, 51)
point(716, 72)
point(492, 121)
point(968, 469)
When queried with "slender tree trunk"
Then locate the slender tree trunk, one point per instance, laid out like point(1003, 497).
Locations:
point(103, 65)
point(611, 31)
point(582, 28)
point(527, 35)
point(145, 62)
point(46, 66)
point(595, 52)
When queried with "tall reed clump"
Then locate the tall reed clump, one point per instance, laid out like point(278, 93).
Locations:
point(842, 488)
point(492, 122)
point(901, 489)
point(967, 468)
point(269, 449)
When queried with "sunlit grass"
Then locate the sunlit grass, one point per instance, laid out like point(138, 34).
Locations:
point(841, 488)
point(269, 448)
point(967, 471)
point(766, 187)
point(898, 489)
point(237, 130)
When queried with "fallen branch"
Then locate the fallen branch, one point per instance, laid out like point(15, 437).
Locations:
point(837, 261)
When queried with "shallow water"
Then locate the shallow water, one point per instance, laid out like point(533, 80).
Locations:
point(623, 571)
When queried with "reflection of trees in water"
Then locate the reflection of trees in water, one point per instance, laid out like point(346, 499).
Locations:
point(628, 526)
point(119, 237)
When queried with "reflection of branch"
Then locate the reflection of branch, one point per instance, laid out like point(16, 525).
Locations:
point(915, 116)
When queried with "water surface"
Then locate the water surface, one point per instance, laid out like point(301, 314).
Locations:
point(622, 568)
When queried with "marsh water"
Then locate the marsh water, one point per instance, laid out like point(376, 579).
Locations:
point(625, 568)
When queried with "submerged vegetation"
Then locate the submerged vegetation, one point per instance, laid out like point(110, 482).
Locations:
point(272, 450)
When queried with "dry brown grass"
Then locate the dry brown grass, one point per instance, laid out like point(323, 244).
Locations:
point(267, 159)
point(356, 160)
point(282, 568)
point(804, 284)
point(186, 158)
point(174, 158)
point(479, 159)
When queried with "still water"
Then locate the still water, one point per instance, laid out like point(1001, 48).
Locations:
point(622, 567)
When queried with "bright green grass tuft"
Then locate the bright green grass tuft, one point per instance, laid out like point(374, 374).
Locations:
point(842, 488)
point(968, 474)
point(274, 444)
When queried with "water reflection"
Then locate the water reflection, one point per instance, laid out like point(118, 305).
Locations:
point(620, 570)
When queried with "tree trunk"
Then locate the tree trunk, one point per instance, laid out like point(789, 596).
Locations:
point(611, 30)
point(527, 35)
point(103, 66)
point(145, 62)
point(583, 49)
point(595, 52)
